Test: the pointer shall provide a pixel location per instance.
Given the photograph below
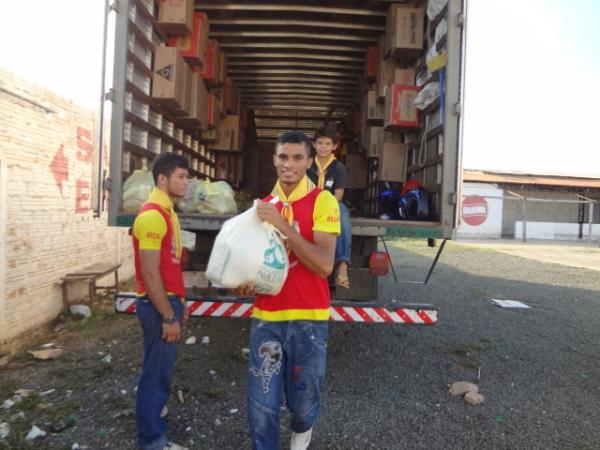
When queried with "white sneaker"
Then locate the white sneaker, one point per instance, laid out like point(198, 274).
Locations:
point(300, 441)
point(173, 446)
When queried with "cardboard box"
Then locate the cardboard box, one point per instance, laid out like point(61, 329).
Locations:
point(193, 46)
point(357, 168)
point(222, 72)
point(375, 141)
point(404, 29)
point(228, 96)
point(399, 108)
point(191, 119)
point(374, 111)
point(371, 63)
point(393, 162)
point(211, 63)
point(405, 77)
point(176, 17)
point(213, 112)
point(228, 134)
point(169, 87)
point(202, 109)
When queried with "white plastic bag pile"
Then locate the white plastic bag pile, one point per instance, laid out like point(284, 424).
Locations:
point(206, 197)
point(136, 190)
point(248, 251)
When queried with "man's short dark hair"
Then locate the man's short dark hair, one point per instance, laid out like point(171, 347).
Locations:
point(295, 137)
point(326, 132)
point(166, 163)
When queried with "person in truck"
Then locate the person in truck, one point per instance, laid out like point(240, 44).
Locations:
point(327, 172)
point(288, 338)
point(160, 305)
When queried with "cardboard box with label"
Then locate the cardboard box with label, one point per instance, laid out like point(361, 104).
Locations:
point(357, 168)
point(169, 82)
point(193, 46)
point(175, 17)
point(405, 27)
point(400, 110)
point(393, 162)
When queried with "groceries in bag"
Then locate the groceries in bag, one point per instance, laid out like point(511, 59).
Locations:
point(248, 251)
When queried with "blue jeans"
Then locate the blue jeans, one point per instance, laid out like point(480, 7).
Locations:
point(285, 357)
point(344, 240)
point(157, 373)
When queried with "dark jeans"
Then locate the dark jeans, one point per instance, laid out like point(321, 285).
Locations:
point(157, 374)
point(285, 357)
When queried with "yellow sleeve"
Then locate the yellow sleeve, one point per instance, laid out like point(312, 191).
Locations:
point(150, 228)
point(326, 215)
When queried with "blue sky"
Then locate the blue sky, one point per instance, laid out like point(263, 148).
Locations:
point(533, 72)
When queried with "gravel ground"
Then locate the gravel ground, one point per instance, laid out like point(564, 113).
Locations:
point(387, 386)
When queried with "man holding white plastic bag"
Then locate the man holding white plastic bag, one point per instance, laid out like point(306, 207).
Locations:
point(288, 341)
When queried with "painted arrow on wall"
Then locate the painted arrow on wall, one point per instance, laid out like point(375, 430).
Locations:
point(60, 168)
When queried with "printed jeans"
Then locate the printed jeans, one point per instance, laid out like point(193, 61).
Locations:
point(157, 374)
point(285, 357)
point(344, 240)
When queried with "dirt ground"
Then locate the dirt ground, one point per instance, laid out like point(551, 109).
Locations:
point(386, 385)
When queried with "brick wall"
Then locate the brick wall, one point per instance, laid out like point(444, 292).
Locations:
point(47, 227)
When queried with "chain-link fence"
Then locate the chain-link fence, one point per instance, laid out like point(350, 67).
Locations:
point(530, 215)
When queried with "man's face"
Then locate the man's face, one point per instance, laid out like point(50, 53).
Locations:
point(177, 183)
point(325, 147)
point(292, 162)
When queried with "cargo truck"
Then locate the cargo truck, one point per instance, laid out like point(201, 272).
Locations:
point(295, 65)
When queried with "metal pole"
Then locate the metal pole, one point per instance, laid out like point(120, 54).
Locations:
point(524, 217)
point(591, 221)
point(100, 186)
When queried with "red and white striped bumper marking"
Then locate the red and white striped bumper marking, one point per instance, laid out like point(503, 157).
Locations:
point(201, 308)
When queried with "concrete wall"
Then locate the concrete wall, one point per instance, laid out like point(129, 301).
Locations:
point(47, 227)
point(558, 231)
point(491, 227)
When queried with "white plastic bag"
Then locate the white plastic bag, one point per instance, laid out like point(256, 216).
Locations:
point(434, 7)
point(247, 250)
point(136, 189)
point(188, 204)
point(427, 95)
point(215, 198)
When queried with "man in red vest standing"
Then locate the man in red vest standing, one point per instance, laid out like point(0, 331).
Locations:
point(160, 305)
point(288, 340)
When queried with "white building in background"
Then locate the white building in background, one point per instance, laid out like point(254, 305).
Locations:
point(555, 206)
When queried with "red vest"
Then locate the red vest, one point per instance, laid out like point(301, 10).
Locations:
point(303, 288)
point(170, 266)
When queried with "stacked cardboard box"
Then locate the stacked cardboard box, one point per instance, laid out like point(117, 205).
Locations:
point(228, 134)
point(171, 80)
point(404, 29)
point(393, 162)
point(175, 17)
point(400, 110)
point(193, 46)
point(214, 72)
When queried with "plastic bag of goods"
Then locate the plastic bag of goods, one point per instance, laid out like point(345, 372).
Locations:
point(136, 189)
point(248, 251)
point(189, 204)
point(215, 198)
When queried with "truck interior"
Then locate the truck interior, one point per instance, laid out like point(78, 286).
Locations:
point(298, 66)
